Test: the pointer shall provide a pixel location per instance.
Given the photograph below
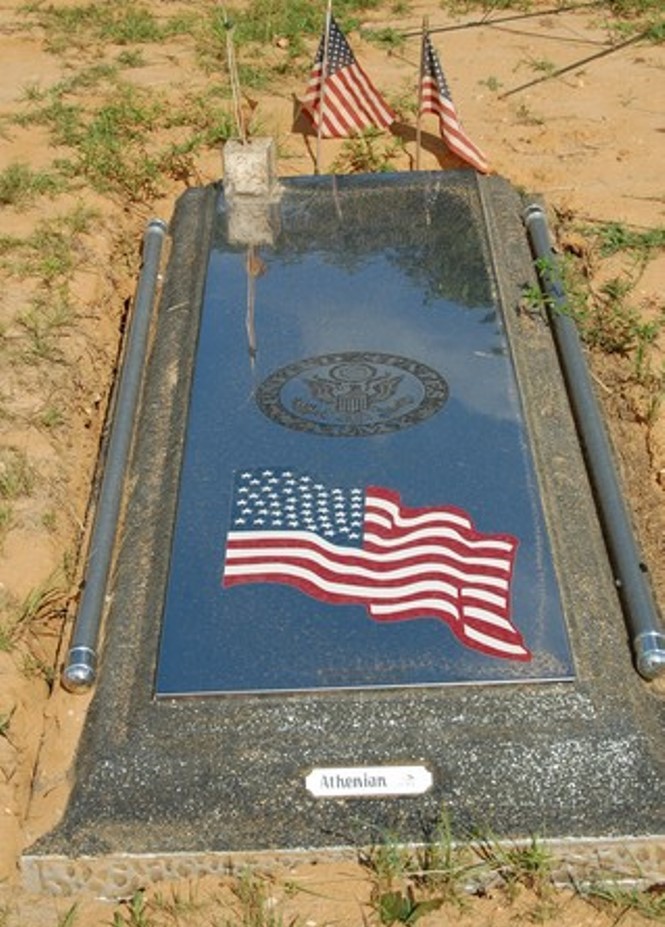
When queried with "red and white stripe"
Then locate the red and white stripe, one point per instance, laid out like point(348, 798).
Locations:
point(413, 563)
point(351, 104)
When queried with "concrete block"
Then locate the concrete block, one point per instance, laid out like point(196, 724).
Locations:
point(249, 167)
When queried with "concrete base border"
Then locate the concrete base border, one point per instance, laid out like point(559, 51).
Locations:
point(626, 861)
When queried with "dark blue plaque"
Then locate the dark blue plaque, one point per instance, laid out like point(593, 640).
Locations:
point(358, 503)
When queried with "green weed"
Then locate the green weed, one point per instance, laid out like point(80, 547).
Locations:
point(123, 22)
point(68, 919)
point(389, 861)
point(388, 38)
point(42, 604)
point(62, 119)
point(649, 902)
point(35, 667)
point(255, 903)
point(49, 521)
point(176, 905)
point(29, 620)
point(541, 65)
point(527, 117)
point(615, 237)
point(404, 102)
point(48, 315)
point(20, 185)
point(52, 252)
point(6, 521)
point(17, 476)
point(208, 117)
point(131, 58)
point(402, 907)
point(5, 723)
point(368, 152)
point(133, 913)
point(443, 864)
point(492, 83)
point(527, 864)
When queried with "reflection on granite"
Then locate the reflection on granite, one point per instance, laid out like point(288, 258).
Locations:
point(365, 346)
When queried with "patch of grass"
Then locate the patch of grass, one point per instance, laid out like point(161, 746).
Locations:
point(56, 243)
point(50, 417)
point(208, 116)
point(133, 913)
point(31, 619)
point(52, 252)
point(122, 22)
point(388, 38)
point(35, 667)
point(527, 117)
point(17, 476)
point(485, 6)
point(610, 317)
point(444, 865)
point(20, 185)
point(178, 905)
point(404, 102)
point(389, 861)
point(42, 604)
point(639, 16)
point(5, 723)
point(403, 907)
point(541, 65)
point(649, 902)
point(368, 152)
point(131, 58)
point(616, 236)
point(492, 83)
point(6, 520)
point(410, 882)
point(43, 322)
point(62, 119)
point(50, 521)
point(256, 905)
point(112, 146)
point(518, 865)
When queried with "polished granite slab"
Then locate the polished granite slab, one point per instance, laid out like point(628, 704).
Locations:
point(409, 374)
point(361, 350)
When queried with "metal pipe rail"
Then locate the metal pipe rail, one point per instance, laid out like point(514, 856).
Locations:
point(80, 670)
point(640, 611)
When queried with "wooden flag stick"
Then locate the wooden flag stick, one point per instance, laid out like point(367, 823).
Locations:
point(420, 90)
point(324, 75)
point(234, 78)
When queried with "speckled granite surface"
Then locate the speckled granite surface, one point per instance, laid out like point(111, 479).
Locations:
point(190, 778)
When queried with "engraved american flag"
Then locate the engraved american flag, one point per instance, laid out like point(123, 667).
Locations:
point(344, 98)
point(362, 546)
point(436, 98)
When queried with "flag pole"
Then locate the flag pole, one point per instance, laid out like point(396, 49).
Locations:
point(233, 77)
point(425, 29)
point(324, 74)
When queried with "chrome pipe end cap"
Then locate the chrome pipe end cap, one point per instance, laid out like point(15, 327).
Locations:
point(650, 654)
point(80, 672)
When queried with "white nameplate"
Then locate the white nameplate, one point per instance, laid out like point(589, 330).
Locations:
point(348, 781)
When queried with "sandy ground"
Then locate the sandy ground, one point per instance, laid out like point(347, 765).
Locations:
point(591, 141)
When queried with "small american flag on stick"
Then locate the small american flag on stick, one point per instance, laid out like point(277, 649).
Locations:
point(435, 98)
point(362, 546)
point(340, 98)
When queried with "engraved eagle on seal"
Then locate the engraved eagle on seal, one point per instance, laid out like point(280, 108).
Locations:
point(353, 388)
point(352, 394)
